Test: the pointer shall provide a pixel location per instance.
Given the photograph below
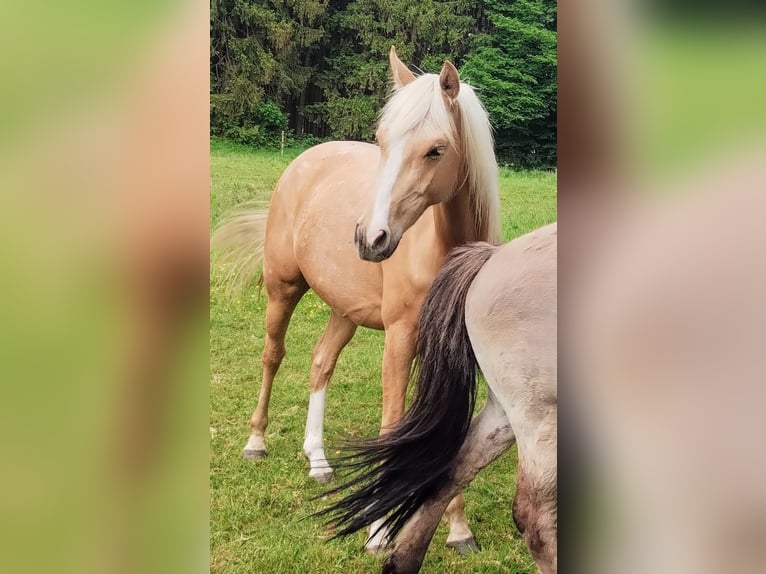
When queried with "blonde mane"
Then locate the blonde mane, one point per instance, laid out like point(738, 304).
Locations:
point(421, 101)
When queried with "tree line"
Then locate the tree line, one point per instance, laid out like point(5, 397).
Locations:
point(318, 69)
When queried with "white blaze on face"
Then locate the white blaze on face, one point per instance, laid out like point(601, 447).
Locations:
point(388, 175)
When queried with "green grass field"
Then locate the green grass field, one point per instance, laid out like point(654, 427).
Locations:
point(260, 510)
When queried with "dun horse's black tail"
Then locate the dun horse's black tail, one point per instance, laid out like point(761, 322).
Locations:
point(395, 473)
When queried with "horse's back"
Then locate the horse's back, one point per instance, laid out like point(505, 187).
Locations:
point(320, 166)
point(511, 312)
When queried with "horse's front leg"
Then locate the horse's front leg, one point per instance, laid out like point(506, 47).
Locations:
point(489, 436)
point(398, 354)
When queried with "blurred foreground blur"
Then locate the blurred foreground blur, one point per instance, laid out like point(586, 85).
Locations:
point(103, 243)
point(664, 289)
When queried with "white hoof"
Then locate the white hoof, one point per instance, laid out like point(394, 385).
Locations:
point(321, 475)
point(321, 471)
point(255, 447)
point(376, 543)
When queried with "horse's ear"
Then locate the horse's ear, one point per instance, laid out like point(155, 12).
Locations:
point(449, 80)
point(399, 72)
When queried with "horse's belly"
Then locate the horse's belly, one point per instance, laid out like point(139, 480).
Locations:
point(361, 309)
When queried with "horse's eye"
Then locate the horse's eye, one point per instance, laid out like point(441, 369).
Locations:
point(433, 153)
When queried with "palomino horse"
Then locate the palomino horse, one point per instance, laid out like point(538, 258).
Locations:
point(495, 306)
point(337, 228)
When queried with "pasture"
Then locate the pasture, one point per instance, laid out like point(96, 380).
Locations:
point(260, 510)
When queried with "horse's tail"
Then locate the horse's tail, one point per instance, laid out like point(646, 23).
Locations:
point(396, 472)
point(239, 242)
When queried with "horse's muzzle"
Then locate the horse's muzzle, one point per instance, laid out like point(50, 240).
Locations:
point(381, 247)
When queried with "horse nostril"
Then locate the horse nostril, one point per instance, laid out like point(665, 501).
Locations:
point(356, 234)
point(381, 240)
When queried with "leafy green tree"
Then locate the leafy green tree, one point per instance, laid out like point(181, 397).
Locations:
point(355, 81)
point(261, 57)
point(514, 69)
point(320, 67)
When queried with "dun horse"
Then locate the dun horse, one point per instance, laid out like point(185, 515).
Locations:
point(495, 306)
point(336, 227)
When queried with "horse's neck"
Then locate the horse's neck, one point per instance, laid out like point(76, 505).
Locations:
point(456, 220)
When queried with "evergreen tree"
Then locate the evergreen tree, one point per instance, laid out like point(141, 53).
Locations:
point(514, 69)
point(260, 62)
point(356, 79)
point(320, 67)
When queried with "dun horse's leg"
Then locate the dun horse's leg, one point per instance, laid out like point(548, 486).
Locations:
point(489, 436)
point(535, 504)
point(398, 354)
point(338, 333)
point(283, 297)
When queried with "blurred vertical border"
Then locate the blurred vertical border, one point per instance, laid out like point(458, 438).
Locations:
point(662, 190)
point(104, 178)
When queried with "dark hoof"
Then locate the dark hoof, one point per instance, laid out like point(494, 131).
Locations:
point(467, 546)
point(323, 478)
point(253, 454)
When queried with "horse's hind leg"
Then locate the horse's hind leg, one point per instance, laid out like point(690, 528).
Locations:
point(337, 334)
point(489, 436)
point(283, 296)
point(535, 504)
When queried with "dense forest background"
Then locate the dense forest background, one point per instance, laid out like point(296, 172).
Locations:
point(318, 69)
